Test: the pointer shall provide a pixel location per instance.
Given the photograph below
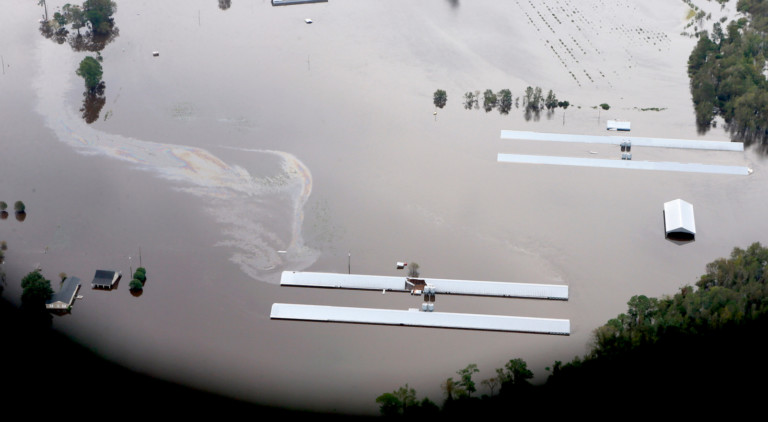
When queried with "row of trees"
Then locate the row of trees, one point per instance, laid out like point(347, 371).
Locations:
point(513, 378)
point(670, 348)
point(726, 75)
point(533, 100)
point(139, 278)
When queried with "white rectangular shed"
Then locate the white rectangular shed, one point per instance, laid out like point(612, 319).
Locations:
point(678, 220)
point(413, 318)
point(618, 125)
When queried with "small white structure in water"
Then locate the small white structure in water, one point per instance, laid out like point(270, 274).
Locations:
point(618, 125)
point(678, 220)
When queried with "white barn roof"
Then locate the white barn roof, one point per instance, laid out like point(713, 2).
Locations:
point(678, 219)
point(618, 125)
point(415, 318)
point(442, 286)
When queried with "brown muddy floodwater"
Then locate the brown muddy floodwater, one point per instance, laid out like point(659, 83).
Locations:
point(253, 132)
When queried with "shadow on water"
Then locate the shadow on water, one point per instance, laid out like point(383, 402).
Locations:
point(21, 216)
point(93, 102)
point(454, 3)
point(3, 215)
point(33, 351)
point(225, 4)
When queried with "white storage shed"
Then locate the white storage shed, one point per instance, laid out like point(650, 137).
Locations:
point(678, 220)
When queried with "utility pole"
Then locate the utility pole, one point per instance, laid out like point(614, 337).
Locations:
point(349, 262)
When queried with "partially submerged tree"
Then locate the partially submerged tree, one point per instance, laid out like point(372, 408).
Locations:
point(99, 14)
point(413, 270)
point(90, 70)
point(470, 100)
point(440, 98)
point(551, 101)
point(19, 207)
point(489, 100)
point(3, 206)
point(505, 101)
point(135, 284)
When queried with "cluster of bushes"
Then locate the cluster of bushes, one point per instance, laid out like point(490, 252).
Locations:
point(139, 278)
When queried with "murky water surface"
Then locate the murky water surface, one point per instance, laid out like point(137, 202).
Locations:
point(252, 133)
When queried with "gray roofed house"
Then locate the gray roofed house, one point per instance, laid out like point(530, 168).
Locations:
point(104, 279)
point(63, 299)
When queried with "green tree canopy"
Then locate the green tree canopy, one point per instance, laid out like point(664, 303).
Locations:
point(440, 98)
point(36, 290)
point(19, 206)
point(135, 284)
point(504, 101)
point(99, 14)
point(465, 380)
point(489, 100)
point(3, 206)
point(90, 70)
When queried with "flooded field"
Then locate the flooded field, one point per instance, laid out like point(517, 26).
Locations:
point(253, 133)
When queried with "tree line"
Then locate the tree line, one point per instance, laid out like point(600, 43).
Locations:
point(726, 75)
point(704, 341)
point(533, 101)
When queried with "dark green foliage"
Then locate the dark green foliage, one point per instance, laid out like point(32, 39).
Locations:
point(135, 284)
point(400, 402)
point(36, 290)
point(90, 70)
point(705, 341)
point(489, 100)
point(533, 99)
point(726, 76)
point(465, 380)
point(605, 106)
point(551, 101)
point(19, 207)
point(99, 14)
point(440, 98)
point(563, 104)
point(3, 206)
point(504, 101)
point(140, 275)
point(470, 100)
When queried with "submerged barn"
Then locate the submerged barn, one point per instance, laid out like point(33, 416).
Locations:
point(618, 125)
point(63, 299)
point(104, 279)
point(678, 220)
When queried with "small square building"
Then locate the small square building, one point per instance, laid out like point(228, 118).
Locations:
point(105, 279)
point(679, 223)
